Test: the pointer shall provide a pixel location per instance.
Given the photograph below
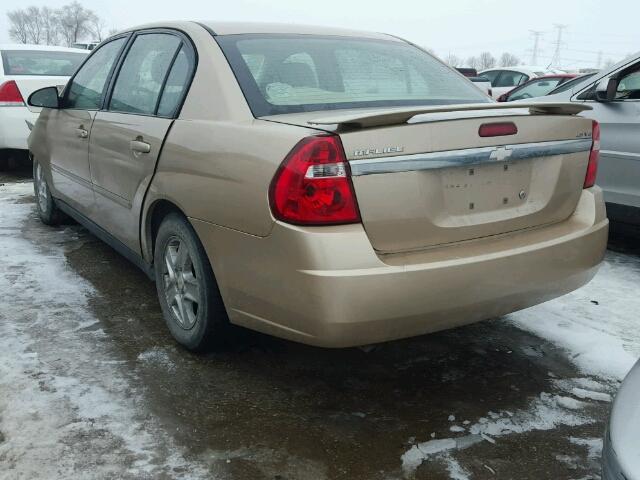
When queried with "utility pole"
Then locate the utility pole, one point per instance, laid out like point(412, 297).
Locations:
point(536, 46)
point(556, 61)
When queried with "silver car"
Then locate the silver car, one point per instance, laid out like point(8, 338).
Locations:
point(621, 452)
point(615, 97)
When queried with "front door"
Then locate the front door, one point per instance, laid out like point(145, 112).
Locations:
point(70, 126)
point(127, 137)
point(619, 167)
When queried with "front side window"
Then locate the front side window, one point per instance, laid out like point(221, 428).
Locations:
point(87, 87)
point(536, 88)
point(141, 77)
point(41, 62)
point(629, 87)
point(296, 73)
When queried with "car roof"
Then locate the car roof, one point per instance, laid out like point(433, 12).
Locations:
point(238, 28)
point(556, 75)
point(46, 48)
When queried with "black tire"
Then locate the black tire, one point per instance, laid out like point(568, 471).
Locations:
point(45, 203)
point(199, 325)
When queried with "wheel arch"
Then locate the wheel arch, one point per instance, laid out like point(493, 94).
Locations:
point(155, 213)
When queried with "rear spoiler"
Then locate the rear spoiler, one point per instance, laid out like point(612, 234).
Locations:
point(396, 116)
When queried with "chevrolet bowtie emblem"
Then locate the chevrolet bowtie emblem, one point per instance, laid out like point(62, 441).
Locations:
point(501, 153)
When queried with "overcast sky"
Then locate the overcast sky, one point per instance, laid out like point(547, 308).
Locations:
point(460, 27)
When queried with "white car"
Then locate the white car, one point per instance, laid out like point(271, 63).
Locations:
point(505, 79)
point(24, 69)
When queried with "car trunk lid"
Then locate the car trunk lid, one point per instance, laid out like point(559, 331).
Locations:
point(436, 181)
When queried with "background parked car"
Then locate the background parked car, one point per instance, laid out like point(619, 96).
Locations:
point(614, 95)
point(537, 87)
point(24, 69)
point(503, 80)
point(85, 46)
point(621, 455)
point(479, 81)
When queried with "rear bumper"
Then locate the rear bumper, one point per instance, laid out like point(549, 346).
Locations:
point(13, 127)
point(328, 287)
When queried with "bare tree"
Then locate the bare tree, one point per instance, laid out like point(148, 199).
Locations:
point(509, 60)
point(68, 25)
point(75, 22)
point(33, 25)
point(473, 62)
point(97, 28)
point(18, 30)
point(50, 26)
point(453, 60)
point(486, 61)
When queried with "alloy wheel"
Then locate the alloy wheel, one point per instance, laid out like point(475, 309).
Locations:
point(181, 286)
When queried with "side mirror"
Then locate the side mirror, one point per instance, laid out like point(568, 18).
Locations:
point(503, 98)
point(606, 90)
point(45, 98)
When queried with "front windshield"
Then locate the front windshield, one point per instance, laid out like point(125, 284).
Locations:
point(297, 73)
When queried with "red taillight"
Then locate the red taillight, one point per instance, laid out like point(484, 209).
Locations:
point(497, 129)
point(592, 168)
point(10, 96)
point(313, 185)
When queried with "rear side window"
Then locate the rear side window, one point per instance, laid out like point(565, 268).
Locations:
point(143, 72)
point(41, 62)
point(87, 87)
point(492, 76)
point(177, 82)
point(295, 73)
point(510, 79)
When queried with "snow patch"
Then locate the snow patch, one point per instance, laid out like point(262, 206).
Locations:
point(68, 408)
point(593, 445)
point(602, 339)
point(545, 412)
point(588, 394)
point(158, 357)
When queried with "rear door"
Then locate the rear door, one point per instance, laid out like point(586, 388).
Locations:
point(70, 126)
point(127, 136)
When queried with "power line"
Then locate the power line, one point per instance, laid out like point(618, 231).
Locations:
point(557, 58)
point(536, 45)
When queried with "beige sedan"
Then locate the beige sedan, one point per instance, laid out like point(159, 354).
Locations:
point(331, 187)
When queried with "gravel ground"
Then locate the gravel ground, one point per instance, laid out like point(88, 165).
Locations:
point(93, 386)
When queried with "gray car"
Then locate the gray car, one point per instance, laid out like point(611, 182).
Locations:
point(621, 452)
point(615, 97)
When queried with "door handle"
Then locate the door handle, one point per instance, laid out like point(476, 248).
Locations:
point(139, 146)
point(81, 132)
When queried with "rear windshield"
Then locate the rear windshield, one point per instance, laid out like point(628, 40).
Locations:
point(297, 73)
point(568, 85)
point(41, 62)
